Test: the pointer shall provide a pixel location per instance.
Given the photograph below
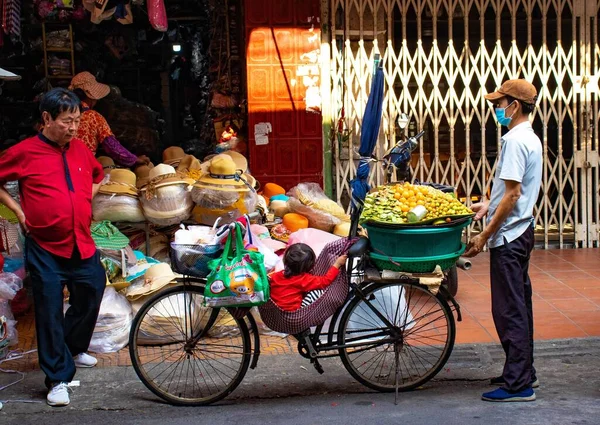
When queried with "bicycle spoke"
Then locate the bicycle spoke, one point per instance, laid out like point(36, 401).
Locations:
point(196, 354)
point(422, 346)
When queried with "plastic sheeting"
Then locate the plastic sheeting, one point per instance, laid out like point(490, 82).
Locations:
point(114, 321)
point(229, 205)
point(309, 200)
point(170, 205)
point(10, 284)
point(117, 208)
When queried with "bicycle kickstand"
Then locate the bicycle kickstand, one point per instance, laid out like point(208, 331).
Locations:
point(304, 337)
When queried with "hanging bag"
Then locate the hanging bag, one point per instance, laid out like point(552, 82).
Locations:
point(238, 278)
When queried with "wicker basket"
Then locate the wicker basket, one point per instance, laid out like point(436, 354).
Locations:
point(192, 260)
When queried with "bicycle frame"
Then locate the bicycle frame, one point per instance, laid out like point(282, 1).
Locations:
point(357, 290)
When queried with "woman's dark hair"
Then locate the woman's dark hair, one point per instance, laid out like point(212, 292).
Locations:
point(527, 108)
point(298, 258)
point(59, 100)
point(80, 94)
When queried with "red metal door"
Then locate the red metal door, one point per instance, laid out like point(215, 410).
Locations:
point(282, 56)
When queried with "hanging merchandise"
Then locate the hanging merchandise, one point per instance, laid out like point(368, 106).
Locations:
point(239, 278)
point(61, 10)
point(100, 12)
point(157, 14)
point(11, 18)
point(123, 12)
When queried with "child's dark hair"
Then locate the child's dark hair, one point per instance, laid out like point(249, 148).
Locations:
point(298, 258)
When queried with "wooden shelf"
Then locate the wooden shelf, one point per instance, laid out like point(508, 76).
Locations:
point(58, 49)
point(60, 77)
point(70, 50)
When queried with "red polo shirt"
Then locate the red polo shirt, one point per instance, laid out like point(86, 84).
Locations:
point(56, 192)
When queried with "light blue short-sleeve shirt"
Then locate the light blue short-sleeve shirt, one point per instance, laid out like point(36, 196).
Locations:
point(521, 161)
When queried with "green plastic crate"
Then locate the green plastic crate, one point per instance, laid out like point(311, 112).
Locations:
point(416, 264)
point(416, 242)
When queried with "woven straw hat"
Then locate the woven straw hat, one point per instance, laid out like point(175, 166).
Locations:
point(92, 88)
point(156, 277)
point(107, 163)
point(173, 155)
point(241, 163)
point(122, 182)
point(189, 163)
point(224, 172)
point(164, 175)
point(142, 174)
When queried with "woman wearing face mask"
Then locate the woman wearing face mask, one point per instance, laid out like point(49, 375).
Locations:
point(510, 238)
point(93, 128)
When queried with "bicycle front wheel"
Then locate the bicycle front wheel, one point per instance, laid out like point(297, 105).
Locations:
point(406, 354)
point(186, 353)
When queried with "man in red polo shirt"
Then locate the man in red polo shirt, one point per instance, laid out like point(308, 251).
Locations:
point(58, 177)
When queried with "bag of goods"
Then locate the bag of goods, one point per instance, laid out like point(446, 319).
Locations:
point(117, 200)
point(224, 192)
point(10, 285)
point(309, 200)
point(193, 235)
point(112, 326)
point(238, 278)
point(405, 203)
point(165, 199)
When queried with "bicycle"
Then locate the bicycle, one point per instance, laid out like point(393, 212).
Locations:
point(392, 335)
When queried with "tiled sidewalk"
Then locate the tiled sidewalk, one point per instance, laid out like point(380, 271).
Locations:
point(566, 285)
point(566, 300)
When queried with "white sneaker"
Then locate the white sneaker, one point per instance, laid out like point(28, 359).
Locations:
point(85, 360)
point(58, 395)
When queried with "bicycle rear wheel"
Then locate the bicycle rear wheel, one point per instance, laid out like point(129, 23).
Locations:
point(186, 353)
point(412, 352)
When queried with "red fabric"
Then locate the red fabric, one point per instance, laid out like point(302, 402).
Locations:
point(288, 293)
point(56, 217)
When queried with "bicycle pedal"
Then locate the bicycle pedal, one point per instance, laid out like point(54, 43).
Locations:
point(317, 366)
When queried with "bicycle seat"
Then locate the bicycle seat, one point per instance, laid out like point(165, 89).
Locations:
point(360, 247)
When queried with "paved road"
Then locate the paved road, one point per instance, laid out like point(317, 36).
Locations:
point(287, 390)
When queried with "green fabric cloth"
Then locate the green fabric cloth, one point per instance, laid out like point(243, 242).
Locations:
point(107, 236)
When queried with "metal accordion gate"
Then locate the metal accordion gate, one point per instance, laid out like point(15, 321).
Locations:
point(440, 57)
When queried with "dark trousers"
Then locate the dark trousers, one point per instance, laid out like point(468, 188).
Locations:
point(62, 336)
point(512, 308)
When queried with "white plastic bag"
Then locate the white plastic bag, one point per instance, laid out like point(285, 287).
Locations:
point(271, 259)
point(12, 335)
point(10, 284)
point(114, 321)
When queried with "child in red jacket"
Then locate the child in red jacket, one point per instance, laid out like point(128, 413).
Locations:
point(290, 287)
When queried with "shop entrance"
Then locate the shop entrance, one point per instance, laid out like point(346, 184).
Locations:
point(284, 114)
